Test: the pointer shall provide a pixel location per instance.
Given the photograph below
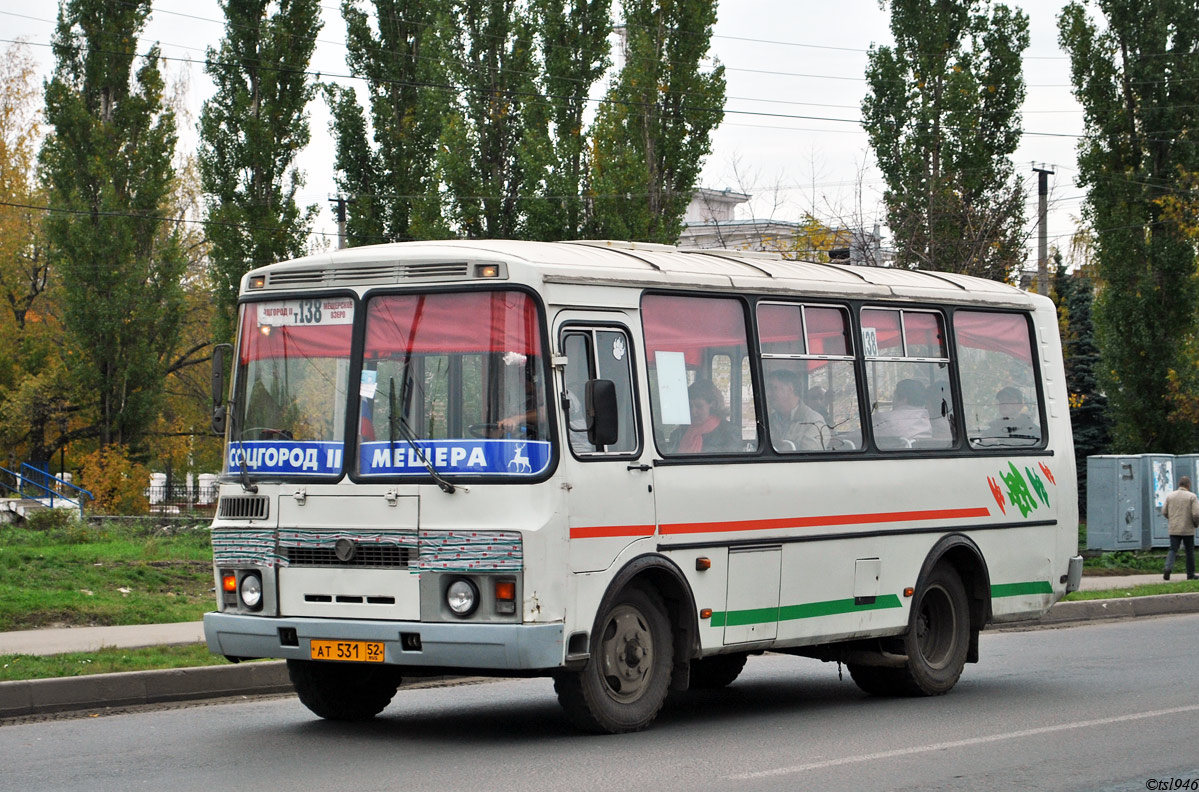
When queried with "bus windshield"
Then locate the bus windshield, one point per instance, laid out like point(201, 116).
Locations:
point(457, 378)
point(293, 378)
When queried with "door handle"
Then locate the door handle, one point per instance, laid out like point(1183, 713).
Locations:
point(639, 467)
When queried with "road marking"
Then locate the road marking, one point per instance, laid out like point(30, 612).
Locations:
point(961, 743)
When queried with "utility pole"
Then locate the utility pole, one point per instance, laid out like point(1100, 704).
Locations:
point(339, 202)
point(1043, 173)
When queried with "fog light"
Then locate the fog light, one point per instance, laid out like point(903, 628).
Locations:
point(251, 591)
point(462, 596)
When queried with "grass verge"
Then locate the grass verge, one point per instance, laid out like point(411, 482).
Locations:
point(21, 667)
point(1183, 586)
point(82, 575)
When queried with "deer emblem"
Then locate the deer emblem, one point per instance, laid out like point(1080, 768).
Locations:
point(519, 462)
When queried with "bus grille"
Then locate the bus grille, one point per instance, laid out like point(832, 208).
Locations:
point(252, 507)
point(377, 556)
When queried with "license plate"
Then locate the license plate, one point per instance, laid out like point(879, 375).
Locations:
point(350, 651)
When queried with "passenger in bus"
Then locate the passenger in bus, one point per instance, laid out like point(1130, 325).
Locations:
point(709, 431)
point(907, 420)
point(1014, 425)
point(794, 426)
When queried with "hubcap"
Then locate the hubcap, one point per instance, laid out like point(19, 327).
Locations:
point(626, 653)
point(936, 627)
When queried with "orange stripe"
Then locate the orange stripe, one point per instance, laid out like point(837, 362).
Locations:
point(606, 531)
point(829, 520)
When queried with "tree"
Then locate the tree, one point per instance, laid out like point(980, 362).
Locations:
point(574, 46)
point(391, 187)
point(495, 148)
point(251, 131)
point(941, 115)
point(1137, 79)
point(654, 127)
point(108, 174)
point(1074, 294)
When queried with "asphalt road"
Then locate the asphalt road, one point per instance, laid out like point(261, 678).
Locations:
point(1103, 707)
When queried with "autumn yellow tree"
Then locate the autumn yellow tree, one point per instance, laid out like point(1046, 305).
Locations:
point(35, 407)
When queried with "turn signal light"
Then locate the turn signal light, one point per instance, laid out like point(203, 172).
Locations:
point(705, 613)
point(505, 590)
point(229, 582)
point(258, 282)
point(487, 271)
point(909, 591)
point(702, 563)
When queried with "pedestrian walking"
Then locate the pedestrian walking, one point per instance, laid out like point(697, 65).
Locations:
point(1182, 510)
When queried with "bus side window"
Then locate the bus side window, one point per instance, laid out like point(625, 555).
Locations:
point(907, 370)
point(999, 388)
point(695, 348)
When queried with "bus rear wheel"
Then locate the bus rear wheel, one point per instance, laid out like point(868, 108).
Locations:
point(936, 643)
point(349, 692)
point(712, 673)
point(625, 681)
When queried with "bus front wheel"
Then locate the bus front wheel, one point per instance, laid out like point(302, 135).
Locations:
point(936, 642)
point(348, 692)
point(625, 681)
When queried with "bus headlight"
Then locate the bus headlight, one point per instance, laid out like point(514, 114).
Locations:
point(250, 591)
point(462, 596)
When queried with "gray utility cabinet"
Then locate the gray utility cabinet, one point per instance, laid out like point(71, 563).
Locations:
point(1115, 497)
point(1158, 482)
point(1186, 465)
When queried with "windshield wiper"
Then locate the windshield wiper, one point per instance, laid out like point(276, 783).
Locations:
point(398, 421)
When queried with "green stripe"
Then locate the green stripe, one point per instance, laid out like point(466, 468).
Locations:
point(1020, 589)
point(807, 610)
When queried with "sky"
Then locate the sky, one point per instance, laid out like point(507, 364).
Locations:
point(790, 135)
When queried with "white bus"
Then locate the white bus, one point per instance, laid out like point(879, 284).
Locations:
point(629, 467)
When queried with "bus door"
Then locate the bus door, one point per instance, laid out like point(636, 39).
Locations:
point(610, 500)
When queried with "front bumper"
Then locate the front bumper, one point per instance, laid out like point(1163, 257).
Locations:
point(500, 647)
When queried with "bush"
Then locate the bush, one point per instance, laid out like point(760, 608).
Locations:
point(118, 482)
point(48, 520)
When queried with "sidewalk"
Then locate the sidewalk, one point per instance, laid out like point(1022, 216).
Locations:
point(102, 691)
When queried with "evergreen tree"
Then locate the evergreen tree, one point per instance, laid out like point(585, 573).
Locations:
point(107, 169)
point(941, 115)
point(574, 46)
point(1137, 79)
point(495, 148)
point(654, 128)
point(251, 131)
point(1074, 295)
point(391, 186)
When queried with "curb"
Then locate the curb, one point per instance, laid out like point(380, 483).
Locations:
point(97, 691)
point(1103, 609)
point(100, 691)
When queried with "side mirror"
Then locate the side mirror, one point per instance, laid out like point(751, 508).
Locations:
point(603, 417)
point(219, 411)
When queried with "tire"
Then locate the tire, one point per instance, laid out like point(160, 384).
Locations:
point(713, 673)
point(936, 643)
point(625, 681)
point(349, 692)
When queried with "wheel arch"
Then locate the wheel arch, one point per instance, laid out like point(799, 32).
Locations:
point(962, 554)
point(663, 576)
